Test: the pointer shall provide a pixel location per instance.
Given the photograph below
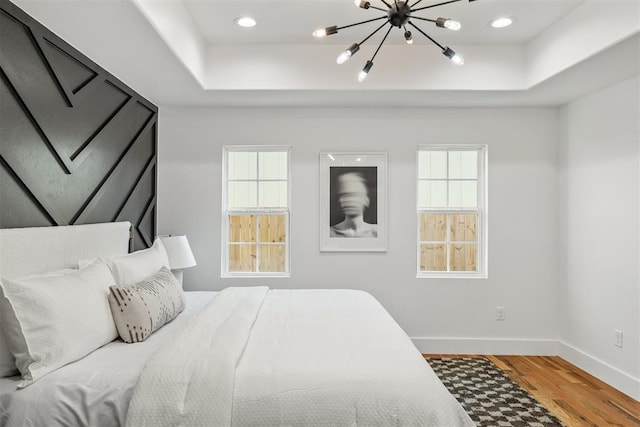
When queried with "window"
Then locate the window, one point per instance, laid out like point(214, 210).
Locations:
point(452, 213)
point(256, 213)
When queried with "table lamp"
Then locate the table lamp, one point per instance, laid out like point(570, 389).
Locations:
point(179, 254)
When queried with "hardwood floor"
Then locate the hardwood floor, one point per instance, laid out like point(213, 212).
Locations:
point(574, 396)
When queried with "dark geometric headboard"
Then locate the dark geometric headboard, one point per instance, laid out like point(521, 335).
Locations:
point(77, 146)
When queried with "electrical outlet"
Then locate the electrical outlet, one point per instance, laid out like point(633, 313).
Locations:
point(618, 338)
point(500, 313)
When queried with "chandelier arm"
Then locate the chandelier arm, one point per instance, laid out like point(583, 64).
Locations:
point(363, 22)
point(380, 45)
point(433, 5)
point(415, 3)
point(386, 4)
point(426, 35)
point(423, 19)
point(378, 8)
point(375, 31)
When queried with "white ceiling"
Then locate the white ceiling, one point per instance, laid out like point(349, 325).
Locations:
point(190, 52)
point(292, 22)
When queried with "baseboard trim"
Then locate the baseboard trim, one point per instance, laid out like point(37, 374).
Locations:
point(616, 378)
point(495, 346)
point(601, 370)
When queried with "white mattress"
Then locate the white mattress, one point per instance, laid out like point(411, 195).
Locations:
point(94, 391)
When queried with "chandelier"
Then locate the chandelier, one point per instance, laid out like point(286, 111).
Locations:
point(398, 14)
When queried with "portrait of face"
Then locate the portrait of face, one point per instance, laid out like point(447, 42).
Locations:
point(353, 193)
point(353, 202)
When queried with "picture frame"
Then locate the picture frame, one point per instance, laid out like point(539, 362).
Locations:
point(353, 202)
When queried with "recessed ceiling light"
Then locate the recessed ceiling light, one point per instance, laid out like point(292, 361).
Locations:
point(245, 22)
point(502, 22)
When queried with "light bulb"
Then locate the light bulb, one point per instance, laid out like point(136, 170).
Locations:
point(365, 72)
point(449, 24)
point(344, 56)
point(323, 32)
point(452, 25)
point(457, 59)
point(454, 57)
point(362, 3)
point(408, 37)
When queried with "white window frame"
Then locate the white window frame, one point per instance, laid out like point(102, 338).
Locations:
point(226, 212)
point(481, 210)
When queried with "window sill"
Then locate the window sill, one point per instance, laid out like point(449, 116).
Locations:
point(456, 275)
point(254, 275)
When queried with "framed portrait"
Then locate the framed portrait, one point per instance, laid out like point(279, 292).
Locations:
point(353, 202)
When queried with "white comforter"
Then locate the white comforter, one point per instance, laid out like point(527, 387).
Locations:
point(255, 357)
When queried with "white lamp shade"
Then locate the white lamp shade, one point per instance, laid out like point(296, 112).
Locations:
point(178, 252)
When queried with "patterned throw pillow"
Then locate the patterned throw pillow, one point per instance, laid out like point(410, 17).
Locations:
point(141, 309)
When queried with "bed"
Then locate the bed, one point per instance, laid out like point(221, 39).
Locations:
point(248, 356)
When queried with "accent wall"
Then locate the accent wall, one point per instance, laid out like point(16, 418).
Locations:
point(77, 146)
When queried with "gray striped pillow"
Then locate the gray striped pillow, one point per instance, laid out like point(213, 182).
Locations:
point(141, 309)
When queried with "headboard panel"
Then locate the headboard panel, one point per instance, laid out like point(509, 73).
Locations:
point(35, 250)
point(77, 146)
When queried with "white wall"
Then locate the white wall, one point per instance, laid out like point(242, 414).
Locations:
point(599, 220)
point(443, 315)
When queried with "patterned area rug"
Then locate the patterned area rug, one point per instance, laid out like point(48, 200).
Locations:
point(489, 396)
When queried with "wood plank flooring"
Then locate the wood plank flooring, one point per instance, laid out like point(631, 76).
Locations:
point(577, 398)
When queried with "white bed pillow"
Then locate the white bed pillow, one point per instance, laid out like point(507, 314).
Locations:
point(7, 361)
point(132, 268)
point(143, 308)
point(53, 319)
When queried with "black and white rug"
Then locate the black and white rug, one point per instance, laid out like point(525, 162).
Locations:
point(489, 396)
